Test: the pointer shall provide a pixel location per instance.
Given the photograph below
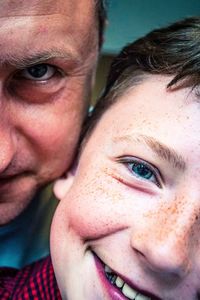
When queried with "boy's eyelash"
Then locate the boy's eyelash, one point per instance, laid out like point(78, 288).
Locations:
point(127, 160)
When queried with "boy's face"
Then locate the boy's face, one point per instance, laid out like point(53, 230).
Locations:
point(132, 215)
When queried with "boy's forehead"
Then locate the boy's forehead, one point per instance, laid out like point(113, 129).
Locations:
point(145, 105)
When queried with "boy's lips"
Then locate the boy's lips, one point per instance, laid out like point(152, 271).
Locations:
point(124, 286)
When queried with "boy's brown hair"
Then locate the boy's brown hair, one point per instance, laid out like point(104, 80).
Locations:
point(172, 50)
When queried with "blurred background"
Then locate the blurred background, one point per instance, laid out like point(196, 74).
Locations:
point(130, 19)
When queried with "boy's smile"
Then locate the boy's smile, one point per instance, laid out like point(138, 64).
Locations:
point(119, 287)
point(130, 221)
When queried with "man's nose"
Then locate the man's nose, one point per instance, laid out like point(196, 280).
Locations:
point(169, 251)
point(7, 145)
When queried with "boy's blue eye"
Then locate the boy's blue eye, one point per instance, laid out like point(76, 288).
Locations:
point(141, 170)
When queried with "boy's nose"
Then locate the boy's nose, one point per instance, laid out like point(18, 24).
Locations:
point(170, 258)
point(173, 256)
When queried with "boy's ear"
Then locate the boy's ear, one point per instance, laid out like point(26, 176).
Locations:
point(62, 185)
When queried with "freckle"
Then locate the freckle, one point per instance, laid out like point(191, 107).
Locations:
point(166, 217)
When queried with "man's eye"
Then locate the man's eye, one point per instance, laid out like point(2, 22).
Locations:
point(38, 72)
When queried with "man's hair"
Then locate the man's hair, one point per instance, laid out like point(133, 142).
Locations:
point(101, 16)
point(172, 50)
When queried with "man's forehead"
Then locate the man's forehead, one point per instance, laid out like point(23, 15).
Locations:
point(39, 7)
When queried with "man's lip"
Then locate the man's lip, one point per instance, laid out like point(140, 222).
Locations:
point(130, 282)
point(8, 178)
point(11, 175)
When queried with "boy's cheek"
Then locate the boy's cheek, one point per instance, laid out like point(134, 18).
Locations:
point(93, 220)
point(93, 206)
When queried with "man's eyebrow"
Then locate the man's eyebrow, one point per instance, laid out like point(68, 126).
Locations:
point(164, 152)
point(28, 60)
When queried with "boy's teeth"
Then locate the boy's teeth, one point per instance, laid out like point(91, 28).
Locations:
point(124, 287)
point(107, 269)
point(141, 297)
point(113, 279)
point(119, 282)
point(128, 291)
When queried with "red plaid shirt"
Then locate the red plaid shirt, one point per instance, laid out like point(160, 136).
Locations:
point(36, 281)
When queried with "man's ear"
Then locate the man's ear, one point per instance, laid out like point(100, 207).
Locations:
point(62, 185)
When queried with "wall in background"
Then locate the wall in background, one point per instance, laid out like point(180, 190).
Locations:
point(102, 71)
point(130, 19)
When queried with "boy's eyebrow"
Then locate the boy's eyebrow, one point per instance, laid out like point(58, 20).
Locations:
point(164, 152)
point(36, 58)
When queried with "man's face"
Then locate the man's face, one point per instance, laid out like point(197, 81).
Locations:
point(130, 222)
point(48, 54)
